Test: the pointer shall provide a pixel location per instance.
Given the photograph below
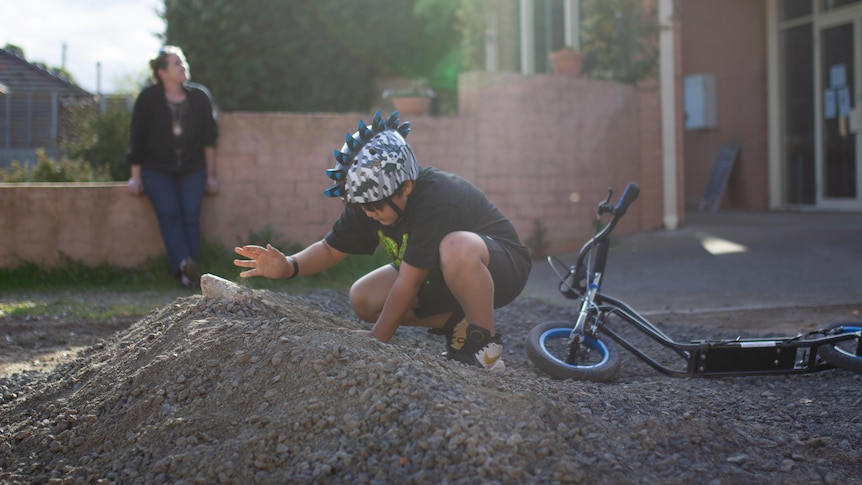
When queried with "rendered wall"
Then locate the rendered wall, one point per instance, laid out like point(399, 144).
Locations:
point(542, 147)
point(728, 39)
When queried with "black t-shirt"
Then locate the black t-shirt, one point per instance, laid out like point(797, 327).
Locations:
point(439, 204)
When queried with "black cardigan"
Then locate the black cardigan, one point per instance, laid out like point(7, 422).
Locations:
point(152, 140)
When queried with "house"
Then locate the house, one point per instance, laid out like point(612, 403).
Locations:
point(781, 78)
point(36, 104)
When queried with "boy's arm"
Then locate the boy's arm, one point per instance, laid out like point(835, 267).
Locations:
point(273, 264)
point(403, 292)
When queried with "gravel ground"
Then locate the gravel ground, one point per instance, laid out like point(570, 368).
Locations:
point(272, 391)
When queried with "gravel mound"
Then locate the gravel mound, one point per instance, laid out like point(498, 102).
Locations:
point(275, 390)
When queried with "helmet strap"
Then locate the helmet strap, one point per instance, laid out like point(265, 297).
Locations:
point(395, 207)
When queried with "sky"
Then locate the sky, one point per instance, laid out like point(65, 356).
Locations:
point(119, 34)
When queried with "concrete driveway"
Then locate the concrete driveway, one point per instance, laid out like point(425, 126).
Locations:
point(734, 260)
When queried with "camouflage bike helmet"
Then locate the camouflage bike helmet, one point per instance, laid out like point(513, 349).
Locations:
point(373, 162)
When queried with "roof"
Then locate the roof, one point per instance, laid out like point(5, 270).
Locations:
point(19, 75)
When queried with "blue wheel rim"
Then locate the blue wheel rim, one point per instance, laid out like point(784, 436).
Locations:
point(563, 333)
point(849, 329)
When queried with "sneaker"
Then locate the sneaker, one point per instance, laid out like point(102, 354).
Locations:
point(473, 345)
point(186, 282)
point(189, 276)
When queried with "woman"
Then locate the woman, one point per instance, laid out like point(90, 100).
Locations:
point(172, 154)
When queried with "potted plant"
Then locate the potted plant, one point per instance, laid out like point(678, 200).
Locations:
point(413, 100)
point(566, 61)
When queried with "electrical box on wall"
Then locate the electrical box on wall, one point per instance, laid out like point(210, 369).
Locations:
point(699, 101)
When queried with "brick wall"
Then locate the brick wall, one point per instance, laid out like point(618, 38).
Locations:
point(542, 147)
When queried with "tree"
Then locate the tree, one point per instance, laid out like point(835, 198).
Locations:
point(308, 55)
point(15, 49)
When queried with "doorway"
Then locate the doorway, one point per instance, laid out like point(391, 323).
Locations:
point(837, 173)
point(819, 54)
point(839, 149)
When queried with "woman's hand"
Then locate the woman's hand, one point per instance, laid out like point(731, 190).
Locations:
point(136, 187)
point(211, 186)
point(268, 262)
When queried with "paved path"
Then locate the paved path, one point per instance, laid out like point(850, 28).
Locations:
point(777, 260)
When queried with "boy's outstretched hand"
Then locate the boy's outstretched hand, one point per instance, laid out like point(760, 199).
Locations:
point(268, 262)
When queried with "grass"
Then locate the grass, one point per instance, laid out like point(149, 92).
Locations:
point(72, 309)
point(19, 284)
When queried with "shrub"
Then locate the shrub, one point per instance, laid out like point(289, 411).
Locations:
point(101, 140)
point(49, 170)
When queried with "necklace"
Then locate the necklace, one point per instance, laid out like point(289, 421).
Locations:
point(177, 117)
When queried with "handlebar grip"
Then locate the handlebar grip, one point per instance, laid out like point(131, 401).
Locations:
point(629, 195)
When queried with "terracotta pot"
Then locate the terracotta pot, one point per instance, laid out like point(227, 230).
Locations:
point(411, 105)
point(566, 62)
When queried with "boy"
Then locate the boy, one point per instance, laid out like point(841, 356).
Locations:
point(455, 256)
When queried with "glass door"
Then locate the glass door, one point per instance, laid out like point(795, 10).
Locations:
point(839, 177)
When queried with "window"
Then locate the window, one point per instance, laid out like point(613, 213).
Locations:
point(827, 5)
point(792, 9)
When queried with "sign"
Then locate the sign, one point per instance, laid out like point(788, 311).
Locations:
point(720, 173)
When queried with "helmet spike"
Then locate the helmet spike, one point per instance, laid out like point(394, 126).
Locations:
point(364, 131)
point(335, 191)
point(342, 158)
point(404, 128)
point(352, 143)
point(377, 123)
point(336, 174)
point(392, 121)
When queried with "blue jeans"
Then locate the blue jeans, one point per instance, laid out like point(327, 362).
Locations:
point(176, 199)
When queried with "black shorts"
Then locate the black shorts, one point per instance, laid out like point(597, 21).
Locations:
point(509, 267)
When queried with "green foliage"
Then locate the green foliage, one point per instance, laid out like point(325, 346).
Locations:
point(49, 170)
point(311, 55)
point(70, 273)
point(619, 40)
point(100, 139)
point(15, 49)
point(72, 309)
point(471, 18)
point(103, 142)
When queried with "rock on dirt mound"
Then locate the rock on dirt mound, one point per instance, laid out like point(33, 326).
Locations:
point(271, 389)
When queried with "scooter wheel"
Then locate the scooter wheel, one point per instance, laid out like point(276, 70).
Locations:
point(844, 355)
point(549, 348)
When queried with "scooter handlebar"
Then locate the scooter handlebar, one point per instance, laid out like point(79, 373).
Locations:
point(629, 195)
